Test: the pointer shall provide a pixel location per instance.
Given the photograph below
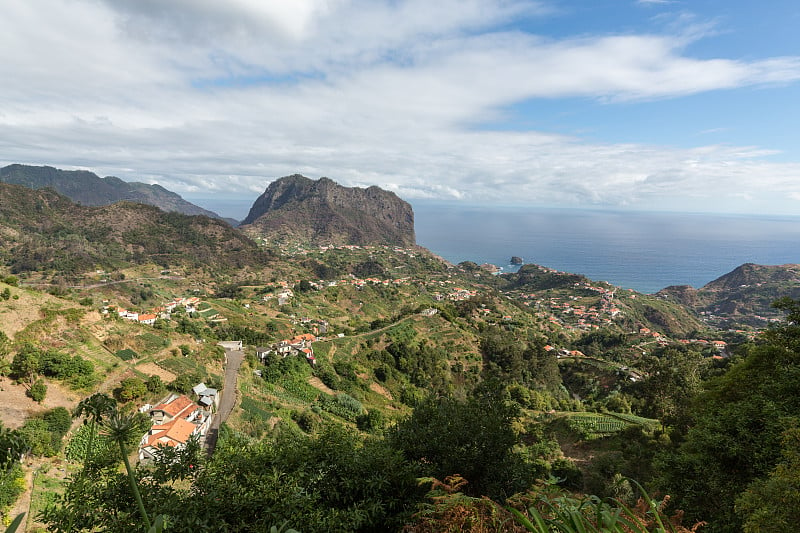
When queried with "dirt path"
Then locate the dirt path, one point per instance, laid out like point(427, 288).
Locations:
point(380, 389)
point(23, 504)
point(319, 385)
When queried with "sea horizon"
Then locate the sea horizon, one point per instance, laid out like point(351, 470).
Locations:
point(644, 251)
point(641, 250)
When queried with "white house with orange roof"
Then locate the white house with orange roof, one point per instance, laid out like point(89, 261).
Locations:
point(174, 434)
point(175, 420)
point(147, 319)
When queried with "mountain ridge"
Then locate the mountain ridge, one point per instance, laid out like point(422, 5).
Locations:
point(87, 188)
point(43, 230)
point(746, 291)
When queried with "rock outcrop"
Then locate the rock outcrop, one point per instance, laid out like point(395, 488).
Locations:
point(299, 209)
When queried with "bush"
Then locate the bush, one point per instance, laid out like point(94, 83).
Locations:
point(185, 382)
point(38, 391)
point(58, 420)
point(131, 389)
point(127, 354)
point(59, 365)
point(372, 421)
point(38, 438)
point(12, 485)
point(306, 420)
point(154, 384)
point(349, 403)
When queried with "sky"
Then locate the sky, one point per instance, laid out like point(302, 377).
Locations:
point(671, 105)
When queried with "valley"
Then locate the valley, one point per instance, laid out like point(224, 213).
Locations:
point(357, 358)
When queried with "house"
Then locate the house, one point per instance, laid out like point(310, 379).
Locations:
point(175, 433)
point(147, 319)
point(124, 313)
point(175, 420)
point(206, 396)
point(262, 352)
point(173, 407)
point(309, 354)
point(297, 345)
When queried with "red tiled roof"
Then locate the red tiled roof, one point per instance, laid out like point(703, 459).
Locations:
point(172, 433)
point(175, 407)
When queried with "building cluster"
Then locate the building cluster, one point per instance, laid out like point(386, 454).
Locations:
point(177, 419)
point(190, 305)
point(299, 345)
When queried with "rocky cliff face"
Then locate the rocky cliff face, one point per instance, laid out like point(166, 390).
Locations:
point(88, 188)
point(299, 209)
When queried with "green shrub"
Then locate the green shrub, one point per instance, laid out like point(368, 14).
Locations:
point(130, 389)
point(38, 391)
point(58, 420)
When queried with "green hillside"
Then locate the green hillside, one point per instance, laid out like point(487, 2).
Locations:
point(381, 387)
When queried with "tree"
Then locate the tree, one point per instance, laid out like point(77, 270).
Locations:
point(772, 504)
point(25, 365)
point(38, 437)
point(303, 286)
point(95, 408)
point(5, 347)
point(740, 422)
point(674, 380)
point(121, 428)
point(473, 438)
point(130, 389)
point(154, 384)
point(58, 420)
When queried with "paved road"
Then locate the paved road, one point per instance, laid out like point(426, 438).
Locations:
point(227, 398)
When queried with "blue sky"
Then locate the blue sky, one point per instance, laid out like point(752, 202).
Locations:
point(626, 104)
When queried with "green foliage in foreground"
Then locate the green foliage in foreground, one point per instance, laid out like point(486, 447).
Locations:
point(334, 481)
point(474, 438)
point(560, 512)
point(544, 509)
point(773, 503)
point(738, 434)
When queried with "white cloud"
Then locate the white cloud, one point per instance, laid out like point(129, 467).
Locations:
point(200, 95)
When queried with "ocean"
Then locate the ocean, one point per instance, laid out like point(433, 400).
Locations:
point(641, 251)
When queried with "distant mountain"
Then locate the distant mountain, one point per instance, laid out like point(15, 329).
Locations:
point(41, 230)
point(299, 209)
point(88, 188)
point(744, 295)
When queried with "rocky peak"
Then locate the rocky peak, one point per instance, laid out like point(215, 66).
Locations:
point(322, 211)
